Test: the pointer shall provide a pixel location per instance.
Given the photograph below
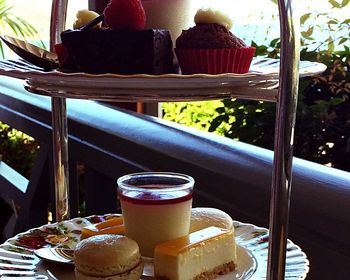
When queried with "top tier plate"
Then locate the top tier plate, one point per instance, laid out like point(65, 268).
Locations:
point(259, 84)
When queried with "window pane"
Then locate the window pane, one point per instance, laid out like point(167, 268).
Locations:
point(38, 12)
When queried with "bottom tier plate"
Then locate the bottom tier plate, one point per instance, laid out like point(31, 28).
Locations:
point(18, 261)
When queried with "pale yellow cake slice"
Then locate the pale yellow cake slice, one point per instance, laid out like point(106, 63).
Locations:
point(204, 254)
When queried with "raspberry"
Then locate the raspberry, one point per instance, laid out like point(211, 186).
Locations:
point(125, 14)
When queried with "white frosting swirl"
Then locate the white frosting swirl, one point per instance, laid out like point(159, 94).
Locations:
point(205, 16)
point(84, 17)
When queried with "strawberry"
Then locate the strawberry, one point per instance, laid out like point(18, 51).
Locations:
point(125, 14)
point(61, 53)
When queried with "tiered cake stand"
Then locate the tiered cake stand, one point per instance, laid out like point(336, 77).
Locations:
point(261, 83)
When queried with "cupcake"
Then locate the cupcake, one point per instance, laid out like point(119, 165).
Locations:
point(209, 47)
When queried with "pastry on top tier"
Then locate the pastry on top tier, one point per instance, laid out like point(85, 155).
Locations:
point(208, 36)
point(121, 46)
point(209, 47)
point(118, 51)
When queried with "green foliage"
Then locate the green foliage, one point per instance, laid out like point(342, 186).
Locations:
point(17, 149)
point(336, 31)
point(11, 24)
point(322, 131)
point(337, 4)
point(195, 114)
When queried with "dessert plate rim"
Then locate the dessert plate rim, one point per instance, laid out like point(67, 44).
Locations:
point(262, 68)
point(260, 84)
point(252, 241)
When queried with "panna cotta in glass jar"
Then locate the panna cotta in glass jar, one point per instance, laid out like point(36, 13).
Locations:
point(156, 207)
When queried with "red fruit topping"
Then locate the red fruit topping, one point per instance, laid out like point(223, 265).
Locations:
point(156, 198)
point(61, 52)
point(125, 14)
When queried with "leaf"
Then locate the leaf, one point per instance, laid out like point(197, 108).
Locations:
point(334, 3)
point(309, 38)
point(330, 44)
point(342, 40)
point(220, 110)
point(274, 42)
point(254, 44)
point(336, 101)
point(345, 2)
point(216, 122)
point(308, 32)
point(303, 18)
point(18, 25)
point(2, 50)
point(333, 21)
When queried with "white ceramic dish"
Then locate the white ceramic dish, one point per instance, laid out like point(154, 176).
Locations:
point(18, 261)
point(259, 84)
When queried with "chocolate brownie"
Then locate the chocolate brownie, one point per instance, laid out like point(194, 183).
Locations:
point(118, 51)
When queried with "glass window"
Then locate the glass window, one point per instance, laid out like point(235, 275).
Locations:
point(37, 13)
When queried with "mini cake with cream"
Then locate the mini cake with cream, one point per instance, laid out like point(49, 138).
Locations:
point(204, 254)
point(209, 47)
point(121, 45)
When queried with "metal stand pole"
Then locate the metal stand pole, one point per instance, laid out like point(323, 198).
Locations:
point(284, 134)
point(59, 122)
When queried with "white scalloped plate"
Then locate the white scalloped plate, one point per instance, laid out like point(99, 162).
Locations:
point(259, 83)
point(17, 261)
